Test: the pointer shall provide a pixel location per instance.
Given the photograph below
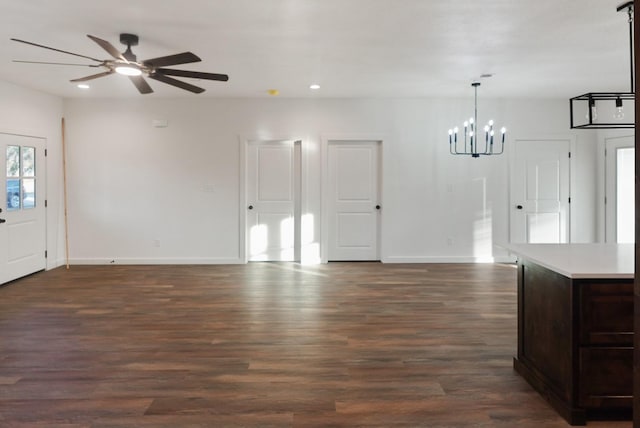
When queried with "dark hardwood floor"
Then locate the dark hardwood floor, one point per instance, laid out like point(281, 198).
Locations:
point(265, 344)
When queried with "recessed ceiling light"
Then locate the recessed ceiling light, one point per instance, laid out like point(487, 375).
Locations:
point(314, 86)
point(83, 86)
point(273, 92)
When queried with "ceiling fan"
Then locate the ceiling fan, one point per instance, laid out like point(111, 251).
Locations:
point(127, 64)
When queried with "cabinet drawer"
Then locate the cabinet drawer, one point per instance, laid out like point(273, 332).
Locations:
point(606, 313)
point(606, 377)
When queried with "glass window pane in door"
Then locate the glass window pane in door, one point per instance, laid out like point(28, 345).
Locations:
point(13, 194)
point(13, 161)
point(28, 193)
point(625, 195)
point(28, 162)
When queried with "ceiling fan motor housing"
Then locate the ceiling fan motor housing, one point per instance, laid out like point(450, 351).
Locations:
point(129, 39)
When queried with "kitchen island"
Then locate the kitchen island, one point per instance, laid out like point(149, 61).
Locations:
point(575, 326)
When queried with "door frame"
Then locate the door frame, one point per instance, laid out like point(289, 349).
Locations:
point(512, 160)
point(299, 198)
point(325, 141)
point(610, 184)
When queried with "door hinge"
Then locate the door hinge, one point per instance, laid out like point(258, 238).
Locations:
point(569, 200)
point(45, 254)
point(45, 152)
point(569, 155)
point(45, 203)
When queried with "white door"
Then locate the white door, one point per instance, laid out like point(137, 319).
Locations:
point(272, 201)
point(22, 224)
point(540, 192)
point(353, 201)
point(620, 189)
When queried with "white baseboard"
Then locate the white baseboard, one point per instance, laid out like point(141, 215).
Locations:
point(432, 259)
point(159, 261)
point(234, 261)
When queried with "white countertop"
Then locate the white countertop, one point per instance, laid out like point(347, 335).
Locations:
point(597, 261)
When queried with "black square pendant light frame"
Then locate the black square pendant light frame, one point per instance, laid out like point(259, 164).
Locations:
point(592, 99)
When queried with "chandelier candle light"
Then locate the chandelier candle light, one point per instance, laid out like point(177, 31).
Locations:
point(470, 137)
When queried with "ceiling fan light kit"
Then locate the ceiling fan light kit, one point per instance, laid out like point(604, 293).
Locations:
point(128, 70)
point(126, 64)
point(607, 110)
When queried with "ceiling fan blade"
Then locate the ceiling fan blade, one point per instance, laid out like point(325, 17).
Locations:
point(181, 58)
point(54, 49)
point(57, 63)
point(177, 83)
point(108, 47)
point(93, 76)
point(141, 84)
point(192, 74)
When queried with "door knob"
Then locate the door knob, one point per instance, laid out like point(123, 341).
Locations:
point(519, 207)
point(2, 220)
point(378, 207)
point(250, 207)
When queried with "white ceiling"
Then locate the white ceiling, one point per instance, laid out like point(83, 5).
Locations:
point(352, 48)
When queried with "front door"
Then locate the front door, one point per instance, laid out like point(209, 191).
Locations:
point(22, 216)
point(272, 200)
point(353, 201)
point(540, 192)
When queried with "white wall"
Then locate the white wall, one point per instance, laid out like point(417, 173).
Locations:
point(132, 184)
point(27, 112)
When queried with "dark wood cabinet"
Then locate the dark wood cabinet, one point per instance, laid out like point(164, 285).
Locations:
point(575, 341)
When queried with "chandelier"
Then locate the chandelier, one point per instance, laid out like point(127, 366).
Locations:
point(606, 110)
point(471, 137)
